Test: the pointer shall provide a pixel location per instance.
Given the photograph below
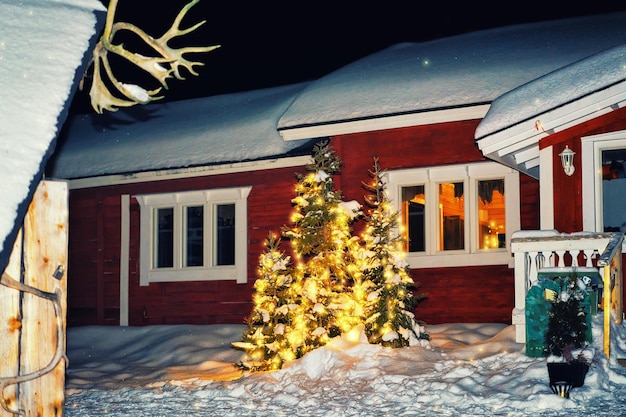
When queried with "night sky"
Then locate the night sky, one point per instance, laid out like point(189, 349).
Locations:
point(265, 44)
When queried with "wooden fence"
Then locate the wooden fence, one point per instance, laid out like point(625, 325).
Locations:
point(32, 309)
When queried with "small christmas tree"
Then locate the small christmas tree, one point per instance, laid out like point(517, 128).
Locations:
point(391, 320)
point(266, 340)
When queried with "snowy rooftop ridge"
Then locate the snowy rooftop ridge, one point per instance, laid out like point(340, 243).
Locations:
point(461, 70)
point(41, 59)
point(447, 73)
point(203, 131)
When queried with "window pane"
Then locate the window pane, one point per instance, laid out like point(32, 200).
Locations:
point(491, 214)
point(225, 237)
point(164, 245)
point(194, 236)
point(413, 221)
point(452, 216)
point(613, 190)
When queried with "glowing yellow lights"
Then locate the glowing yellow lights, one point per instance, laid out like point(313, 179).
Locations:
point(257, 354)
point(288, 355)
point(354, 334)
point(339, 283)
point(296, 217)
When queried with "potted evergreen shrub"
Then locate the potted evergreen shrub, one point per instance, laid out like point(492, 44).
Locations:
point(568, 334)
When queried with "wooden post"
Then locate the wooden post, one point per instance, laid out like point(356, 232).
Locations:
point(10, 328)
point(607, 291)
point(611, 262)
point(42, 291)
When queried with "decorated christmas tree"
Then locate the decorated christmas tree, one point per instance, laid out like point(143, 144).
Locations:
point(325, 249)
point(339, 283)
point(265, 340)
point(390, 321)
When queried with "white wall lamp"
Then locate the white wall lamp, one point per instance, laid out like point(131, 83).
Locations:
point(567, 160)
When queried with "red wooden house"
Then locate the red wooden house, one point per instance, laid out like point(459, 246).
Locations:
point(170, 203)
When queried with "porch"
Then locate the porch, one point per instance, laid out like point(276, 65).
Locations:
point(537, 250)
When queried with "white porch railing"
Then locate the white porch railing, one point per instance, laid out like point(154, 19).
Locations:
point(538, 249)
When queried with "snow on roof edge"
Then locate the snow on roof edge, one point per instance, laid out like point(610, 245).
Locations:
point(99, 13)
point(556, 89)
point(178, 134)
point(410, 76)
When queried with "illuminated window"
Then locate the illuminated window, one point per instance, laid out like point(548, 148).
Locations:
point(195, 235)
point(451, 233)
point(491, 214)
point(462, 212)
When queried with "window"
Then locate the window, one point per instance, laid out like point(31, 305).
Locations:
point(613, 190)
point(604, 182)
point(194, 235)
point(463, 213)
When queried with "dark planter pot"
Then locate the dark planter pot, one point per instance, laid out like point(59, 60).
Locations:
point(564, 376)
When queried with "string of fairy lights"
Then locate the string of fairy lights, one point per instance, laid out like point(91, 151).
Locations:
point(337, 283)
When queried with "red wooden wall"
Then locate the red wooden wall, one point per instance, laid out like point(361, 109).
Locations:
point(475, 294)
point(93, 274)
point(568, 216)
point(568, 190)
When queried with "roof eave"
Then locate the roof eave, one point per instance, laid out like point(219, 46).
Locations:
point(384, 122)
point(517, 146)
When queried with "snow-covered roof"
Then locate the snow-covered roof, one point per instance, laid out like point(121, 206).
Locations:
point(516, 121)
point(453, 78)
point(221, 129)
point(445, 74)
point(41, 56)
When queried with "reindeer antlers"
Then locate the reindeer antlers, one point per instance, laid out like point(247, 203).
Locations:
point(168, 62)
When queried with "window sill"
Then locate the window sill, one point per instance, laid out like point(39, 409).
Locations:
point(224, 273)
point(454, 259)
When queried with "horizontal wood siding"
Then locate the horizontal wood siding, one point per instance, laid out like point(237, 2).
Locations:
point(529, 203)
point(94, 272)
point(83, 258)
point(423, 146)
point(480, 294)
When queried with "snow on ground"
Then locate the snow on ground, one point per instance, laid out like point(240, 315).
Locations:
point(465, 370)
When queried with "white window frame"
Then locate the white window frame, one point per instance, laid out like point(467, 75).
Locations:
point(178, 200)
point(469, 174)
point(591, 149)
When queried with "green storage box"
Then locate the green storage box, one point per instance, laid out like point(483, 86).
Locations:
point(537, 306)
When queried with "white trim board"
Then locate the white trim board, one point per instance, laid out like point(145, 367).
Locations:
point(178, 173)
point(384, 123)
